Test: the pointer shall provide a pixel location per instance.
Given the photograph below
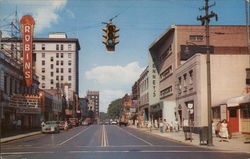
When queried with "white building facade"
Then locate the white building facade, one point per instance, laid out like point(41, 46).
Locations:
point(227, 80)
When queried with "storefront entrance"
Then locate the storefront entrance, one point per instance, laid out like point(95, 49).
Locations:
point(233, 120)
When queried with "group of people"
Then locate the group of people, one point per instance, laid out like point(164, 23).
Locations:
point(164, 125)
point(221, 130)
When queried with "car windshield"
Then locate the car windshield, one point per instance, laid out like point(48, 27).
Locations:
point(51, 122)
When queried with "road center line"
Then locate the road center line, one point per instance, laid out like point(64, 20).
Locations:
point(73, 136)
point(136, 136)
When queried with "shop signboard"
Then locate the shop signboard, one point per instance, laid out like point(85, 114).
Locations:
point(27, 26)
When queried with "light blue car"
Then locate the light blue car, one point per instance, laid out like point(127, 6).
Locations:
point(51, 127)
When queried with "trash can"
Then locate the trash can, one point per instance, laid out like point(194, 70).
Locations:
point(204, 136)
point(187, 133)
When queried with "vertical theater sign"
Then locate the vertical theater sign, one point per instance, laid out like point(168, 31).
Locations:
point(27, 26)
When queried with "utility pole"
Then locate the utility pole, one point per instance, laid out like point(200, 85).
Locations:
point(205, 21)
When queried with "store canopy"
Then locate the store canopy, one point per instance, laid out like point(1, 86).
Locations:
point(236, 101)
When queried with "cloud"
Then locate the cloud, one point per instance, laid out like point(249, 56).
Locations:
point(115, 75)
point(107, 96)
point(45, 13)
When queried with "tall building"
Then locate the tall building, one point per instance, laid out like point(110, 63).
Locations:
point(93, 103)
point(178, 44)
point(55, 60)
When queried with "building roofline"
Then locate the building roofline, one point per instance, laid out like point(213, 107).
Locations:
point(15, 39)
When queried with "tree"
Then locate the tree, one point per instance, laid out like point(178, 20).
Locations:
point(115, 108)
point(103, 116)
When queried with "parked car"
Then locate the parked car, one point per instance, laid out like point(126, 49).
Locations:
point(114, 122)
point(61, 125)
point(85, 123)
point(73, 121)
point(51, 127)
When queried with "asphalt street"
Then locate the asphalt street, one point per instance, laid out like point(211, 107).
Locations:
point(107, 142)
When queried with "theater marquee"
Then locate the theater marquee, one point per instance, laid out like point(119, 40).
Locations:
point(27, 26)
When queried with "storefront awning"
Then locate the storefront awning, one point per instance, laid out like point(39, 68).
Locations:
point(236, 101)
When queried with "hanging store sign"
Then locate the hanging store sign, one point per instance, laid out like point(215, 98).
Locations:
point(27, 26)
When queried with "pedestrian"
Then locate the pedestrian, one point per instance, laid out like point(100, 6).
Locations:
point(66, 126)
point(213, 127)
point(161, 126)
point(43, 123)
point(150, 126)
point(217, 129)
point(165, 125)
point(176, 125)
point(224, 131)
point(19, 124)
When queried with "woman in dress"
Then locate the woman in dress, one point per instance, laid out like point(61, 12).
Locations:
point(224, 131)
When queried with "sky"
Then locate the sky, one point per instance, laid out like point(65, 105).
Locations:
point(141, 22)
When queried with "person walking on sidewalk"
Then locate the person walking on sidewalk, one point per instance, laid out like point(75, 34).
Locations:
point(217, 129)
point(224, 131)
point(161, 126)
point(150, 126)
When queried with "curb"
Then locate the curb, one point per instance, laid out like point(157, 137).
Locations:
point(8, 139)
point(189, 143)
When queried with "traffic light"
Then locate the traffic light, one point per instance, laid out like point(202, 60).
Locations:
point(110, 36)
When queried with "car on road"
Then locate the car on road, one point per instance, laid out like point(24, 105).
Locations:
point(114, 122)
point(61, 125)
point(51, 127)
point(85, 123)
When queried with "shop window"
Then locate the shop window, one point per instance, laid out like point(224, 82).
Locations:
point(233, 113)
point(245, 112)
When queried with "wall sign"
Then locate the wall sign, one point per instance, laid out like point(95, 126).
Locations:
point(27, 26)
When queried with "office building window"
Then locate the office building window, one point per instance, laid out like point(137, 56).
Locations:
point(196, 37)
point(69, 78)
point(57, 70)
point(51, 74)
point(43, 77)
point(51, 59)
point(51, 81)
point(69, 55)
point(61, 70)
point(43, 70)
point(34, 47)
point(57, 62)
point(69, 69)
point(69, 62)
point(61, 78)
point(62, 63)
point(57, 46)
point(43, 46)
point(43, 55)
point(57, 78)
point(43, 62)
point(69, 46)
point(43, 85)
point(191, 77)
point(61, 55)
point(61, 46)
point(57, 55)
point(52, 66)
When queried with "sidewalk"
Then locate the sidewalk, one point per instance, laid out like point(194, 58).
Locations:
point(234, 145)
point(11, 138)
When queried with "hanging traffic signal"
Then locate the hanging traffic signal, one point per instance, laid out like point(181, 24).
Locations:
point(110, 36)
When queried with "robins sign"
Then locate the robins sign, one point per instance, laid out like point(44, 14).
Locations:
point(27, 25)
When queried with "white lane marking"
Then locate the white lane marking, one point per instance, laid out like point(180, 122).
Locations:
point(104, 137)
point(155, 151)
point(23, 153)
point(73, 136)
point(136, 146)
point(136, 136)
